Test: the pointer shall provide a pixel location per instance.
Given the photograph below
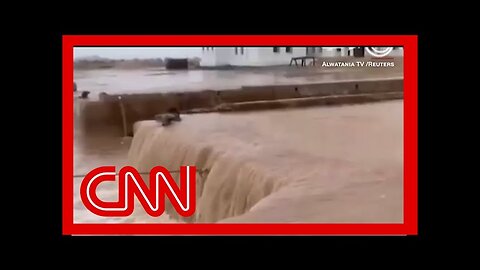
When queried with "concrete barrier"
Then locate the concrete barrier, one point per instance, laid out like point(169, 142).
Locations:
point(310, 101)
point(108, 111)
point(246, 94)
point(98, 116)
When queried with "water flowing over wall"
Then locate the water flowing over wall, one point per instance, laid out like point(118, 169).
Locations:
point(285, 166)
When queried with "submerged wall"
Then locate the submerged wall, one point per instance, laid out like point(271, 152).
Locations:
point(231, 186)
point(345, 166)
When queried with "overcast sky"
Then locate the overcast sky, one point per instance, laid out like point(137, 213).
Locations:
point(137, 52)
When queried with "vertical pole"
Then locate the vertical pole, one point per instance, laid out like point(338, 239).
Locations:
point(124, 117)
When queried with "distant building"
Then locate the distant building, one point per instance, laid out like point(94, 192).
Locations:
point(269, 56)
point(249, 56)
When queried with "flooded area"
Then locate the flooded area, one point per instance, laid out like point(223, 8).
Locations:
point(321, 164)
point(158, 80)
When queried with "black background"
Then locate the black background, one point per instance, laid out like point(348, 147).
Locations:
point(43, 105)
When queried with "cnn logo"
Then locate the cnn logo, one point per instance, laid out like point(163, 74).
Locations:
point(131, 184)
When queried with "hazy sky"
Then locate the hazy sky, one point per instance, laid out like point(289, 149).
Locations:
point(137, 52)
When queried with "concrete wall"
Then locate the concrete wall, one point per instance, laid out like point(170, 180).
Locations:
point(312, 101)
point(242, 56)
point(332, 52)
point(107, 113)
point(267, 57)
point(208, 56)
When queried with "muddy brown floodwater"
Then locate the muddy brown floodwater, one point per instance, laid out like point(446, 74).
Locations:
point(154, 80)
point(322, 164)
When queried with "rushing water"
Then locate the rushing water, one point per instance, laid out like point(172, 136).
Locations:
point(324, 164)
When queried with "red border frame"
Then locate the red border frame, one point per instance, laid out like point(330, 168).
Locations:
point(410, 225)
